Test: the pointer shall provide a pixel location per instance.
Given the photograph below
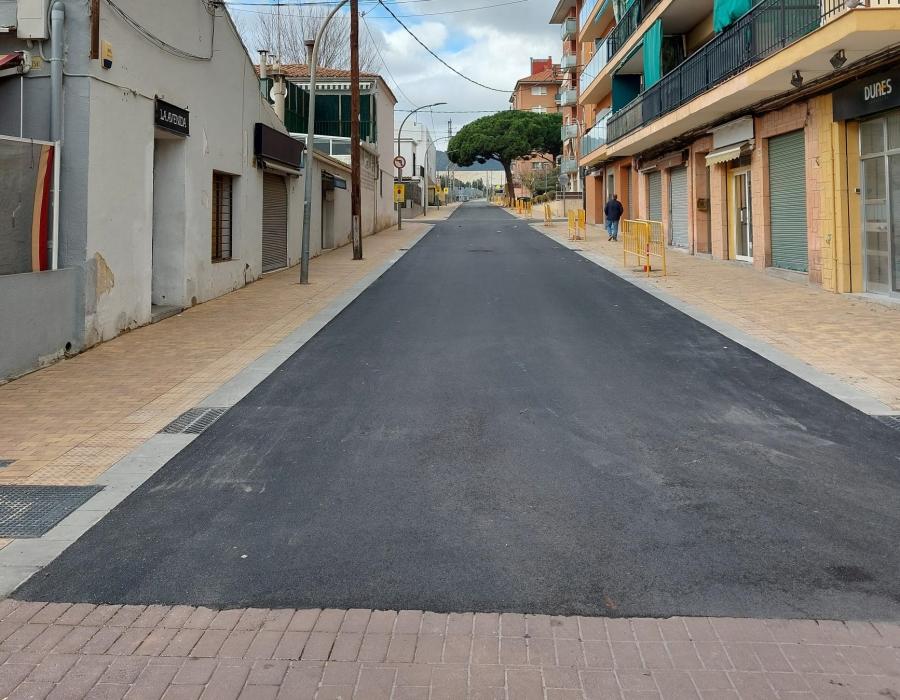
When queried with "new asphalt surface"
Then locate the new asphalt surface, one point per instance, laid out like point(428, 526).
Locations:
point(499, 425)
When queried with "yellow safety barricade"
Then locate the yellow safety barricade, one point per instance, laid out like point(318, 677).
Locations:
point(582, 223)
point(548, 215)
point(577, 225)
point(645, 241)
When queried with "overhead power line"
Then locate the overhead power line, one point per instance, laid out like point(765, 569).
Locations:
point(438, 58)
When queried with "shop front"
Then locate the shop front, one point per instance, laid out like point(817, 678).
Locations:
point(874, 102)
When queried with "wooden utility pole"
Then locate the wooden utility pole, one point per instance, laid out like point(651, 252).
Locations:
point(355, 166)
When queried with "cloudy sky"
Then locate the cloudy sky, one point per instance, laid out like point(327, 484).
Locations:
point(491, 45)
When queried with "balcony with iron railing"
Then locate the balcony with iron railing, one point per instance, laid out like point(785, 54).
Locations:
point(595, 137)
point(568, 131)
point(594, 17)
point(628, 23)
point(569, 29)
point(769, 27)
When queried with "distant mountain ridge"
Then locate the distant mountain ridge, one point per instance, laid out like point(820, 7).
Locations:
point(442, 162)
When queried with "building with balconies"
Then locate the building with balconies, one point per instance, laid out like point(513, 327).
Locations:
point(763, 131)
point(566, 15)
point(537, 92)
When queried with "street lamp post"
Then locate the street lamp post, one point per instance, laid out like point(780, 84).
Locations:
point(310, 147)
point(400, 170)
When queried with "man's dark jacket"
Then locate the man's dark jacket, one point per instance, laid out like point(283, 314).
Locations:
point(613, 210)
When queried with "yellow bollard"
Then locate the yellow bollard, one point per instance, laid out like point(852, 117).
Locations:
point(582, 223)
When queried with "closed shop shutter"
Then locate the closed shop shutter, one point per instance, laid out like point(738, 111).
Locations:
point(787, 201)
point(274, 223)
point(678, 203)
point(654, 195)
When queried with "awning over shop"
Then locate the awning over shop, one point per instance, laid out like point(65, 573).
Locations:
point(728, 153)
point(11, 64)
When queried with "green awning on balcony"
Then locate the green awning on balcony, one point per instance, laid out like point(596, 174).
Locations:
point(727, 12)
point(653, 54)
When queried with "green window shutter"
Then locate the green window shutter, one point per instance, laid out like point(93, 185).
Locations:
point(653, 54)
point(726, 12)
point(787, 201)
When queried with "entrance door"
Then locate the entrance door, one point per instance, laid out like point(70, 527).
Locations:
point(880, 150)
point(678, 207)
point(274, 223)
point(743, 220)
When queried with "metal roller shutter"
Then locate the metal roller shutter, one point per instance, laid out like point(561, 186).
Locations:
point(678, 207)
point(654, 195)
point(274, 223)
point(787, 201)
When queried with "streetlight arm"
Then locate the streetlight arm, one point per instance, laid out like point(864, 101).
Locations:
point(400, 170)
point(310, 146)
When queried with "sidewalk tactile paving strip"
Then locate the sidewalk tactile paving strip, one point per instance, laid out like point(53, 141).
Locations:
point(30, 511)
point(194, 421)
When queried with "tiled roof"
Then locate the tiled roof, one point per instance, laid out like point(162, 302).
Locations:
point(301, 70)
point(550, 75)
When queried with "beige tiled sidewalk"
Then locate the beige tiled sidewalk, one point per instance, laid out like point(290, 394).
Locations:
point(68, 423)
point(845, 336)
point(62, 651)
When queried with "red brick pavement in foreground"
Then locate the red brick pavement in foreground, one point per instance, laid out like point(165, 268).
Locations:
point(85, 651)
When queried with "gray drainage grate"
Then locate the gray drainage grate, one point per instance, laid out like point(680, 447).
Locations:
point(194, 421)
point(890, 421)
point(30, 511)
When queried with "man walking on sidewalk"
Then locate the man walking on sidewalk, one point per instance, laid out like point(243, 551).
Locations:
point(613, 211)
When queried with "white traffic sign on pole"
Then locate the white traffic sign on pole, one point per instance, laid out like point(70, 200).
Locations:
point(399, 162)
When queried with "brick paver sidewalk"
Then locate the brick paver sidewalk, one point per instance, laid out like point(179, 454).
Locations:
point(845, 336)
point(62, 651)
point(70, 422)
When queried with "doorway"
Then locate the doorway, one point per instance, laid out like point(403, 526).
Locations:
point(743, 217)
point(880, 152)
point(167, 292)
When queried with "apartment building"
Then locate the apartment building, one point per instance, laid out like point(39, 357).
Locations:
point(537, 92)
point(765, 132)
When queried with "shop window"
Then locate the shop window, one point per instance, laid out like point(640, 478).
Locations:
point(871, 137)
point(222, 216)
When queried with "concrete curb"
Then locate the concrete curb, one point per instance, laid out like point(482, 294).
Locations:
point(22, 558)
point(850, 395)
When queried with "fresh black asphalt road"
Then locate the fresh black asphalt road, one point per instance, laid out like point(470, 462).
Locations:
point(499, 425)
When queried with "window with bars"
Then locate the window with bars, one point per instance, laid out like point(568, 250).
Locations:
point(223, 185)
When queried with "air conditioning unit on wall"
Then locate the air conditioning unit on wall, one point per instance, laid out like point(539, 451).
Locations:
point(32, 19)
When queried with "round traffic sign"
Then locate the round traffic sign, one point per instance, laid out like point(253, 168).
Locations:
point(400, 162)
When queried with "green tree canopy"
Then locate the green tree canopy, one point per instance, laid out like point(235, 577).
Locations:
point(504, 137)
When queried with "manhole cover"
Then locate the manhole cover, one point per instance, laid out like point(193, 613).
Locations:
point(194, 421)
point(890, 421)
point(30, 511)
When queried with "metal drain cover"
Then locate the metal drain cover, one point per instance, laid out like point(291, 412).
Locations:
point(889, 421)
point(194, 421)
point(30, 511)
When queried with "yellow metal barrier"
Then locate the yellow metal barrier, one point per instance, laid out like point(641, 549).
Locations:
point(548, 215)
point(577, 225)
point(646, 241)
